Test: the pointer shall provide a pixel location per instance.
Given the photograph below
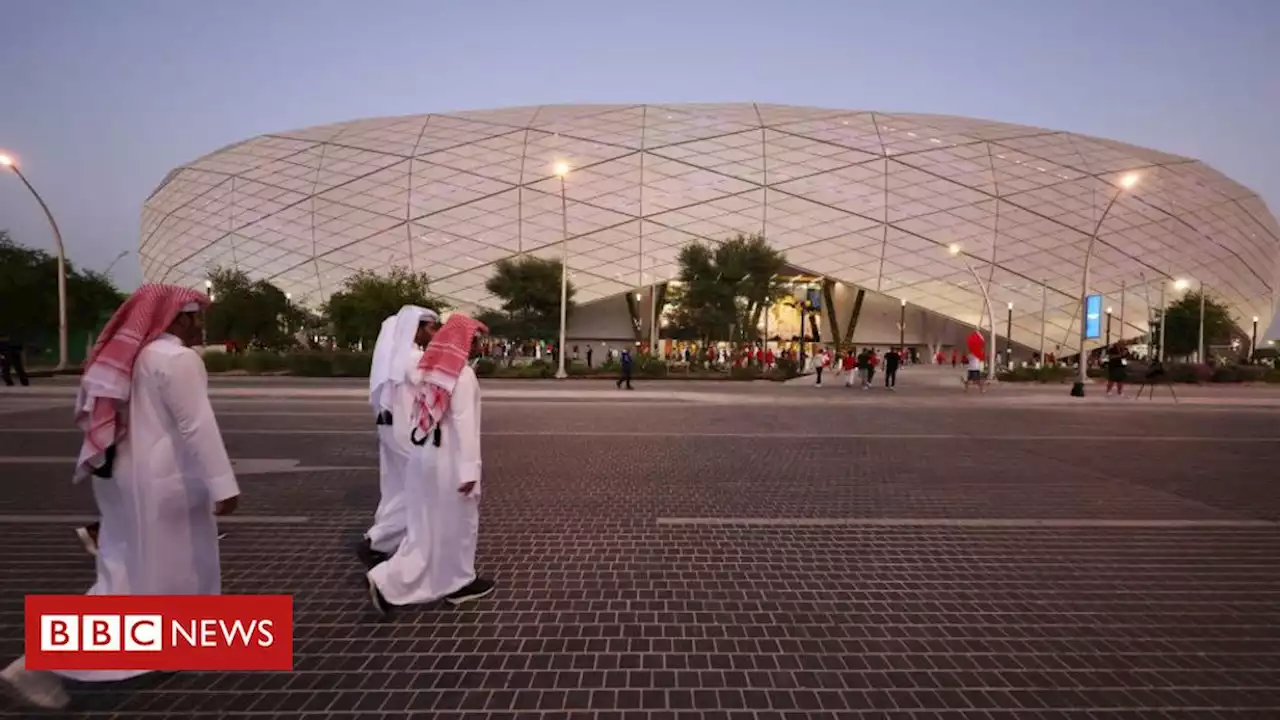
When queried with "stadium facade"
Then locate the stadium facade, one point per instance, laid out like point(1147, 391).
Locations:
point(879, 211)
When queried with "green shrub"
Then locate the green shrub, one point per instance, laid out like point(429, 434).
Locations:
point(258, 362)
point(1239, 373)
point(217, 362)
point(787, 368)
point(1271, 376)
point(1050, 374)
point(578, 368)
point(486, 367)
point(351, 364)
point(536, 369)
point(1188, 373)
point(310, 363)
point(748, 372)
point(647, 366)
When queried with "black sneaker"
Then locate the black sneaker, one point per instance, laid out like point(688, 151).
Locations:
point(375, 597)
point(368, 555)
point(478, 588)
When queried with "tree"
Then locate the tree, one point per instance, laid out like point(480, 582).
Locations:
point(249, 312)
point(727, 285)
point(366, 299)
point(29, 298)
point(529, 288)
point(1182, 326)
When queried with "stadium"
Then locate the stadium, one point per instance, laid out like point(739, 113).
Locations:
point(896, 223)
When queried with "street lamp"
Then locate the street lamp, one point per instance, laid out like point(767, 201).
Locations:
point(112, 264)
point(1253, 339)
point(1008, 337)
point(1108, 327)
point(561, 169)
point(954, 249)
point(1044, 313)
point(902, 328)
point(9, 162)
point(1077, 390)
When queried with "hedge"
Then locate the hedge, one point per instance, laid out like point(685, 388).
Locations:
point(343, 363)
point(304, 363)
point(1135, 372)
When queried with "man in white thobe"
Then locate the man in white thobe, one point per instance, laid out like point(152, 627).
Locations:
point(436, 558)
point(159, 468)
point(395, 355)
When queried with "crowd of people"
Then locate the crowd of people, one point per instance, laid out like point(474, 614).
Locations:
point(161, 475)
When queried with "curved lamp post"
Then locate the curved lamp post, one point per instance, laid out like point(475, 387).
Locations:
point(1077, 389)
point(561, 169)
point(955, 251)
point(9, 162)
point(1253, 340)
point(112, 264)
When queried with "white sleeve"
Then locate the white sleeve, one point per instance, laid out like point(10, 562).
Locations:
point(185, 390)
point(464, 414)
point(403, 415)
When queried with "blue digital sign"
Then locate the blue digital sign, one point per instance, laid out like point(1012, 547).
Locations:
point(815, 298)
point(1093, 317)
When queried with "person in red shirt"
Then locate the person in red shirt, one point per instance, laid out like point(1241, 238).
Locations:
point(849, 365)
point(955, 358)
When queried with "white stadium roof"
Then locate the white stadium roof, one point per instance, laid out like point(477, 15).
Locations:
point(866, 198)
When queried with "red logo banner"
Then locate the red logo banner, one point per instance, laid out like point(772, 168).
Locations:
point(159, 632)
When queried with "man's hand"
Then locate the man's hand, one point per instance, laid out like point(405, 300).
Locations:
point(226, 507)
point(467, 488)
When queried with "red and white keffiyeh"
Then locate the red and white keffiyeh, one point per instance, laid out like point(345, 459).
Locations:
point(441, 364)
point(108, 374)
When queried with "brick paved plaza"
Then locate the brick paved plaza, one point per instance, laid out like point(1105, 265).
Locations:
point(747, 553)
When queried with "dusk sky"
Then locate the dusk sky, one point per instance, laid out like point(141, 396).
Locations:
point(102, 98)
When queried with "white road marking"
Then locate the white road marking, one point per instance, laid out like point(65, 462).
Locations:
point(964, 522)
point(38, 519)
point(242, 466)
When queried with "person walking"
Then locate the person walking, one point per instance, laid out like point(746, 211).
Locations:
point(850, 366)
point(1117, 368)
point(436, 557)
point(154, 455)
point(974, 374)
point(395, 357)
point(11, 361)
point(892, 360)
point(625, 363)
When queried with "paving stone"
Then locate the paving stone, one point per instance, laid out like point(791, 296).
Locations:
point(602, 612)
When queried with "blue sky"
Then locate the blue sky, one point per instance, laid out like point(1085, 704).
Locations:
point(101, 98)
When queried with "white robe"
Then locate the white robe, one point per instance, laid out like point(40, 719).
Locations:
point(158, 533)
point(389, 521)
point(437, 556)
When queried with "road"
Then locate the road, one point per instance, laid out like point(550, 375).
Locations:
point(748, 554)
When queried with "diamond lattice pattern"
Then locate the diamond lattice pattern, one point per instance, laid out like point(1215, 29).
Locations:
point(866, 198)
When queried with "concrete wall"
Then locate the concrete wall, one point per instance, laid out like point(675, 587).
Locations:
point(606, 320)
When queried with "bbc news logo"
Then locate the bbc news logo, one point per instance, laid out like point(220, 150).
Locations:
point(159, 632)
